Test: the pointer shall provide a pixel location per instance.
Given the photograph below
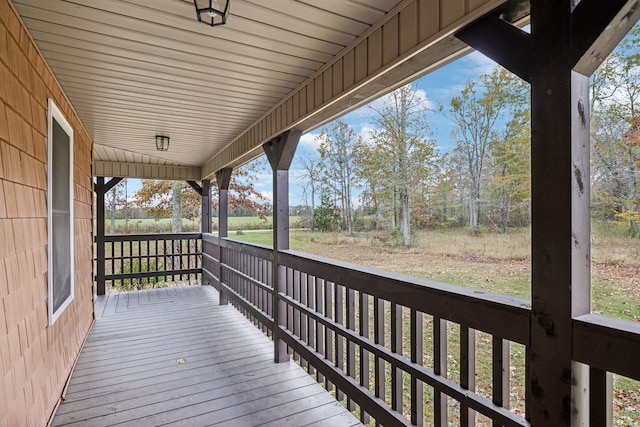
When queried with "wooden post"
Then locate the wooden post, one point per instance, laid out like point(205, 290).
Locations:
point(567, 43)
point(205, 221)
point(280, 152)
point(223, 179)
point(560, 184)
point(101, 189)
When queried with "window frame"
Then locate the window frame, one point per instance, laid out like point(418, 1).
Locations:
point(54, 114)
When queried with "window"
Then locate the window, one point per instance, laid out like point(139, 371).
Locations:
point(60, 212)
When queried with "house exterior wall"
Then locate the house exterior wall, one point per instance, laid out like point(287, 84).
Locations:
point(35, 358)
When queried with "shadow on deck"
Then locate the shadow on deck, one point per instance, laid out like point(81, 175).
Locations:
point(175, 357)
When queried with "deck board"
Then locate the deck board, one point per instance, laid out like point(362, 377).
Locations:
point(176, 357)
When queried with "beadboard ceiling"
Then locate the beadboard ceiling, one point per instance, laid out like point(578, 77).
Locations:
point(136, 68)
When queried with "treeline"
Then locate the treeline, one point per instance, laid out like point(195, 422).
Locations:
point(398, 176)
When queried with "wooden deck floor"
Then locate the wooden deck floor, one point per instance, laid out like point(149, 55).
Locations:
point(176, 357)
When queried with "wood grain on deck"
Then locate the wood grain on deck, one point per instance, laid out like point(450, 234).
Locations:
point(175, 357)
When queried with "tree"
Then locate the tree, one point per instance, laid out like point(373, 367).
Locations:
point(403, 155)
point(177, 200)
point(312, 172)
point(510, 168)
point(325, 216)
point(481, 107)
point(615, 123)
point(337, 154)
point(115, 199)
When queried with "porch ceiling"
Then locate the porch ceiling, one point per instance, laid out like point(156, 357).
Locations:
point(134, 68)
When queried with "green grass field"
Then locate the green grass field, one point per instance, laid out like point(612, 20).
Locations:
point(163, 225)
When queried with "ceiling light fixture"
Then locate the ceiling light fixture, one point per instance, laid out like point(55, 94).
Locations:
point(162, 143)
point(212, 12)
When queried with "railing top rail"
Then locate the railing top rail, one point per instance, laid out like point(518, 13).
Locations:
point(501, 315)
point(151, 236)
point(255, 249)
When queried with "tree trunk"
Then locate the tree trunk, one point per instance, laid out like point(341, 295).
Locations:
point(405, 216)
point(176, 213)
point(112, 209)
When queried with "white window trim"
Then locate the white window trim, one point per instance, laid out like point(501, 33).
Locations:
point(54, 112)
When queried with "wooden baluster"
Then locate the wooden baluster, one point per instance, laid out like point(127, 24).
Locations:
point(600, 398)
point(364, 354)
point(311, 327)
point(302, 284)
point(351, 350)
point(319, 327)
point(339, 342)
point(440, 411)
point(467, 372)
point(417, 350)
point(378, 333)
point(328, 332)
point(501, 355)
point(396, 347)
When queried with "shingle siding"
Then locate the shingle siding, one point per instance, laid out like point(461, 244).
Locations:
point(35, 359)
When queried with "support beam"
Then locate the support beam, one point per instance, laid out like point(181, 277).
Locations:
point(501, 41)
point(223, 180)
point(101, 188)
point(597, 28)
point(205, 206)
point(196, 187)
point(280, 152)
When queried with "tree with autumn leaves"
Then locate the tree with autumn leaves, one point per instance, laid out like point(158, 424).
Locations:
point(177, 200)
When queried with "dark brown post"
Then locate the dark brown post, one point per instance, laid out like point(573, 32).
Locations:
point(223, 179)
point(100, 272)
point(568, 41)
point(101, 189)
point(280, 152)
point(205, 222)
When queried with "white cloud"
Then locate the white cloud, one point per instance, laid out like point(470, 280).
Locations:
point(309, 140)
point(476, 63)
point(267, 195)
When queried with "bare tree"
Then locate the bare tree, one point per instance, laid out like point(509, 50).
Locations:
point(403, 153)
point(477, 112)
point(337, 153)
point(312, 173)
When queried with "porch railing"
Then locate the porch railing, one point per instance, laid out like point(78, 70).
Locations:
point(403, 350)
point(134, 261)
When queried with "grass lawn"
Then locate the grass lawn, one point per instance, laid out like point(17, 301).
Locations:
point(163, 225)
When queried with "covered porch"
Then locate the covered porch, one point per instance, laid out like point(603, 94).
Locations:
point(129, 71)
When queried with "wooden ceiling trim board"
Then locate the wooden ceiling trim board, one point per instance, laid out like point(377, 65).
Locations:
point(146, 171)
